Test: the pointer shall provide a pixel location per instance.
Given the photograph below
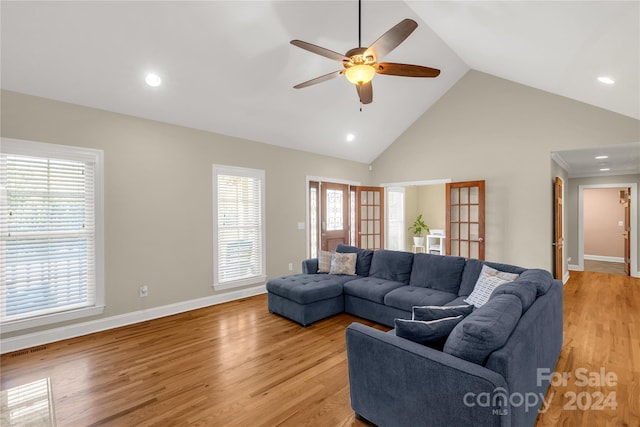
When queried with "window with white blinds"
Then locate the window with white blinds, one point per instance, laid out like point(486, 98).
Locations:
point(238, 226)
point(48, 233)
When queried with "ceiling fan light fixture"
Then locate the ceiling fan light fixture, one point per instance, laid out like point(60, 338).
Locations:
point(360, 74)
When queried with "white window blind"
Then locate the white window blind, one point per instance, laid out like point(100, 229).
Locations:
point(238, 226)
point(47, 232)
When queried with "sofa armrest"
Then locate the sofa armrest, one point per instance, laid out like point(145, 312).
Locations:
point(530, 355)
point(310, 266)
point(397, 382)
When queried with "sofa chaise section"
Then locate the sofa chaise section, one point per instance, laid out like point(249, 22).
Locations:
point(306, 298)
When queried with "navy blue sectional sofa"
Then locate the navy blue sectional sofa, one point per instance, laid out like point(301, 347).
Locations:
point(492, 370)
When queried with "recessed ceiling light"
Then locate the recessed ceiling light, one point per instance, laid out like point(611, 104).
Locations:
point(601, 157)
point(604, 169)
point(153, 80)
point(350, 137)
point(606, 80)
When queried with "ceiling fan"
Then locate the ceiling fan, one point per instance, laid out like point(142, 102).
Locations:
point(361, 64)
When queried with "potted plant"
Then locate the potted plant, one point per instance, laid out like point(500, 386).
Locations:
point(417, 228)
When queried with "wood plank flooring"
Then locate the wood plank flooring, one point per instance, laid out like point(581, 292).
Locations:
point(236, 364)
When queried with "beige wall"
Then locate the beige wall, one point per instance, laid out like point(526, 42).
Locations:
point(493, 129)
point(602, 215)
point(158, 196)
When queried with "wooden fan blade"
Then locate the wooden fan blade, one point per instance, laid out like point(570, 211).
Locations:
point(406, 70)
point(318, 79)
point(319, 50)
point(365, 92)
point(391, 39)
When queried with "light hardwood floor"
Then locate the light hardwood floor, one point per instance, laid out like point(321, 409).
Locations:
point(236, 364)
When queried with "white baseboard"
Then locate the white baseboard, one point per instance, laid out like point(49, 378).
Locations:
point(575, 267)
point(565, 278)
point(52, 335)
point(604, 258)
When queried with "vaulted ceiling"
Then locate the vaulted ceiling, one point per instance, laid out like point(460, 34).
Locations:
point(227, 66)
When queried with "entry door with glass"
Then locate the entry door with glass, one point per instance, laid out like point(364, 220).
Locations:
point(334, 215)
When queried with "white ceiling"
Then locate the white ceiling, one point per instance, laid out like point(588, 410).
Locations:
point(227, 66)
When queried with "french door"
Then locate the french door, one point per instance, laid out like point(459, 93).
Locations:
point(465, 219)
point(369, 217)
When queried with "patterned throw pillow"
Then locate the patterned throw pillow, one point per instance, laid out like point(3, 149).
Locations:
point(488, 281)
point(324, 262)
point(343, 264)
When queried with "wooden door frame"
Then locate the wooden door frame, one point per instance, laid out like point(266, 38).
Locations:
point(625, 200)
point(558, 230)
point(634, 223)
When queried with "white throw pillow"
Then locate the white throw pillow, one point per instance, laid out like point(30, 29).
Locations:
point(489, 279)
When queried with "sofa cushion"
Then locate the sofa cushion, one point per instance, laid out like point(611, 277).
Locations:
point(363, 261)
point(343, 264)
point(324, 262)
point(371, 288)
point(472, 270)
point(391, 265)
point(489, 279)
point(443, 273)
point(433, 312)
point(541, 278)
point(485, 330)
point(406, 297)
point(307, 288)
point(523, 289)
point(425, 332)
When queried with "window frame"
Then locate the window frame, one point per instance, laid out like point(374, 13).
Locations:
point(259, 174)
point(73, 153)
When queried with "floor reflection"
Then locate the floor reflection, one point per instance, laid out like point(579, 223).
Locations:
point(28, 405)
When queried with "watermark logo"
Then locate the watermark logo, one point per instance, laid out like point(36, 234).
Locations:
point(499, 400)
point(583, 400)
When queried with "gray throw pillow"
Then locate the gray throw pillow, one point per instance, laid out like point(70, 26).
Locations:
point(434, 312)
point(425, 332)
